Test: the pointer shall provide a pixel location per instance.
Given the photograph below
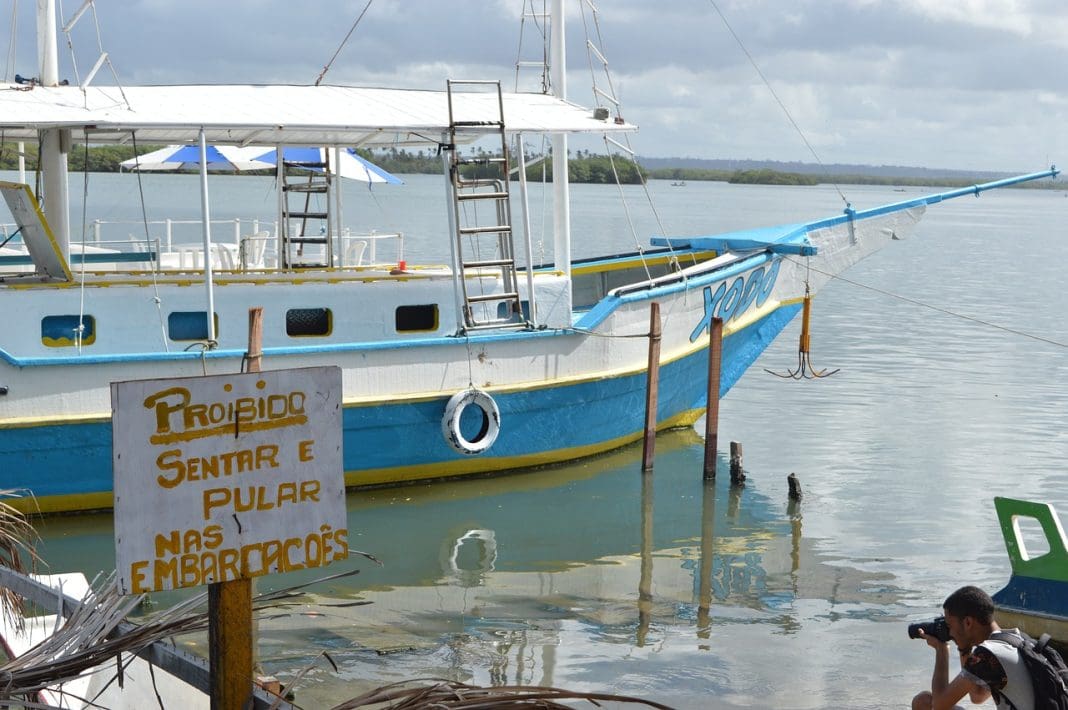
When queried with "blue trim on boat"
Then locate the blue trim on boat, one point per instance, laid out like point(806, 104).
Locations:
point(534, 421)
point(697, 281)
point(604, 308)
point(782, 239)
point(94, 258)
point(293, 350)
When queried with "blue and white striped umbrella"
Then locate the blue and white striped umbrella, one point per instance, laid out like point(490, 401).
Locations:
point(187, 157)
point(350, 165)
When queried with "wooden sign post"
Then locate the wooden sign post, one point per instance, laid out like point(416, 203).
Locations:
point(230, 641)
point(222, 478)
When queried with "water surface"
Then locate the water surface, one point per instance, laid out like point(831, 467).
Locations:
point(592, 576)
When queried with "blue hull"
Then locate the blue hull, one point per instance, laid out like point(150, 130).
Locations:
point(69, 466)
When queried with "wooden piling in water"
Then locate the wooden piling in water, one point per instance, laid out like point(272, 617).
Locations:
point(795, 486)
point(649, 440)
point(737, 473)
point(715, 363)
point(645, 574)
point(708, 556)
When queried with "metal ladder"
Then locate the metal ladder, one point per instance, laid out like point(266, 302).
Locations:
point(484, 243)
point(296, 221)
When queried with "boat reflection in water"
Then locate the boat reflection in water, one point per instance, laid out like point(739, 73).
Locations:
point(550, 576)
point(559, 576)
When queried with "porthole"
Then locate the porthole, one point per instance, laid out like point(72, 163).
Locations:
point(68, 331)
point(417, 318)
point(309, 322)
point(190, 325)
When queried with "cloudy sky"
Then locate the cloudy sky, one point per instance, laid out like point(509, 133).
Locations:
point(970, 84)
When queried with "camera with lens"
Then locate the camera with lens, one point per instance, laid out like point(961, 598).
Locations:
point(938, 628)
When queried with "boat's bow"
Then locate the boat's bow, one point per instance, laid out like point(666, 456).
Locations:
point(1036, 597)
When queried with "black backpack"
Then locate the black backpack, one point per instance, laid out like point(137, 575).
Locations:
point(1049, 674)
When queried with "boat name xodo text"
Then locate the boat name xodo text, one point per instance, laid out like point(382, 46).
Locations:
point(240, 485)
point(733, 298)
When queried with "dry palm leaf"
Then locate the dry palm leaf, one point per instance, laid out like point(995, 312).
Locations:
point(448, 695)
point(18, 541)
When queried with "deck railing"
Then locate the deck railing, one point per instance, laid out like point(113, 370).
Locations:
point(240, 244)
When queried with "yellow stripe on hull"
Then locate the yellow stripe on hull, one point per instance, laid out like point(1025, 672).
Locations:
point(70, 503)
point(634, 263)
point(87, 502)
point(476, 466)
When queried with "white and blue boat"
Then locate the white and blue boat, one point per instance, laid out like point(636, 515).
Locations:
point(484, 364)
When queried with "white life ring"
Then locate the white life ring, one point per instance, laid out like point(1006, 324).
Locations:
point(491, 421)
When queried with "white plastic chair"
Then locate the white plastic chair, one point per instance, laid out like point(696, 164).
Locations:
point(222, 257)
point(354, 253)
point(252, 250)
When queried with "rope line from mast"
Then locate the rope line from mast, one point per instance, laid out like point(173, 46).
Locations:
point(954, 314)
point(148, 242)
point(341, 46)
point(779, 101)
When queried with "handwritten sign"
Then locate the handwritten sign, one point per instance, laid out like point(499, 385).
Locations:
point(229, 476)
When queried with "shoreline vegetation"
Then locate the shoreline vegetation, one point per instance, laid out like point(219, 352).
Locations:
point(583, 167)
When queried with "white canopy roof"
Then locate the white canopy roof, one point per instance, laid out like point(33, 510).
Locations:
point(279, 115)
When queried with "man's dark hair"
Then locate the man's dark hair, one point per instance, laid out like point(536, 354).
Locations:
point(970, 601)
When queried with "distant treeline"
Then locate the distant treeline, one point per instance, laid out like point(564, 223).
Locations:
point(583, 167)
point(777, 177)
point(102, 158)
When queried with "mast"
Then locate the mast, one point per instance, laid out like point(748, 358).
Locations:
point(55, 142)
point(561, 190)
point(205, 211)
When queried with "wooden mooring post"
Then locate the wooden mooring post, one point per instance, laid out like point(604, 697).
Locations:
point(708, 558)
point(715, 364)
point(794, 484)
point(737, 473)
point(230, 603)
point(649, 439)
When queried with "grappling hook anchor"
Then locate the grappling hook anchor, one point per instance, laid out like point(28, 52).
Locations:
point(804, 370)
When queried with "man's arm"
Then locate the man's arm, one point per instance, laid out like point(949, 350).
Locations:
point(944, 692)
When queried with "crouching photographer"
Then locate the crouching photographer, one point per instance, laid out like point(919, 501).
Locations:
point(989, 667)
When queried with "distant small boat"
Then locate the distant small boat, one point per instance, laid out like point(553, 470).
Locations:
point(1036, 597)
point(679, 183)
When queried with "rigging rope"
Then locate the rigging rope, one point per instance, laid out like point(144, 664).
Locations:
point(107, 57)
point(948, 312)
point(352, 29)
point(104, 56)
point(80, 330)
point(774, 95)
point(543, 31)
point(610, 96)
point(70, 47)
point(148, 243)
point(11, 42)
